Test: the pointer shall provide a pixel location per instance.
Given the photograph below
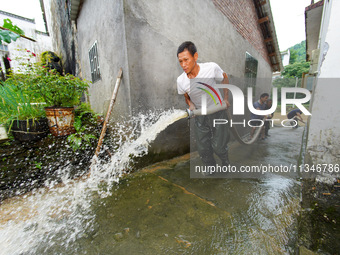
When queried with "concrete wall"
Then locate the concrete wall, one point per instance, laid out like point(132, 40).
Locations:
point(154, 31)
point(324, 133)
point(62, 30)
point(104, 23)
point(151, 31)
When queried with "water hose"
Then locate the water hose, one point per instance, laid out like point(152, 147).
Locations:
point(238, 137)
point(210, 110)
point(216, 108)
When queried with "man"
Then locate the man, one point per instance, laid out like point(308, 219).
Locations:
point(268, 105)
point(256, 120)
point(198, 79)
point(294, 116)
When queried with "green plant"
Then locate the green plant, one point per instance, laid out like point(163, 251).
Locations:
point(38, 79)
point(10, 32)
point(38, 165)
point(14, 28)
point(15, 104)
point(84, 119)
point(18, 101)
point(8, 36)
point(58, 90)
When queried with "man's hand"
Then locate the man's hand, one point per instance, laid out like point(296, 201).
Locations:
point(226, 102)
point(189, 102)
point(226, 91)
point(299, 116)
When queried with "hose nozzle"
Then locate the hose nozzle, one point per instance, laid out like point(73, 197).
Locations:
point(190, 113)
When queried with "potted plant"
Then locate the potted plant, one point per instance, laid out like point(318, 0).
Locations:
point(60, 93)
point(21, 108)
point(20, 111)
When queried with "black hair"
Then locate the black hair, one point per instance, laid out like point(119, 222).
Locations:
point(264, 95)
point(189, 46)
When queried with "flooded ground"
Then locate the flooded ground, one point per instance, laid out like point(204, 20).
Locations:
point(161, 210)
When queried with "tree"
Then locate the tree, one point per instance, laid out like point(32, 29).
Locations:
point(293, 56)
point(300, 50)
point(296, 69)
point(292, 73)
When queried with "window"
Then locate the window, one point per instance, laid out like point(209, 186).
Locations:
point(94, 63)
point(251, 70)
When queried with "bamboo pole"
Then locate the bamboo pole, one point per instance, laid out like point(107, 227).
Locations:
point(112, 102)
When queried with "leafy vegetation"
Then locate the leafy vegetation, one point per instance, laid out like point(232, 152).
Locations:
point(10, 26)
point(58, 90)
point(85, 122)
point(26, 92)
point(15, 104)
point(298, 53)
point(292, 73)
point(296, 70)
point(12, 34)
point(18, 100)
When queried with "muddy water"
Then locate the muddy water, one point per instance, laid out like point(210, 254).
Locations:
point(161, 210)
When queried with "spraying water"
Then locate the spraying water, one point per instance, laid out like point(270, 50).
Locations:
point(62, 212)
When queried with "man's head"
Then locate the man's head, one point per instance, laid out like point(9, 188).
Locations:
point(187, 56)
point(264, 97)
point(269, 102)
point(189, 46)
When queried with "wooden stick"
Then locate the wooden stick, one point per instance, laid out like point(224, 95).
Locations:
point(113, 100)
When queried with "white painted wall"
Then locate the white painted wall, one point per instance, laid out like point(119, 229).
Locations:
point(16, 49)
point(324, 131)
point(285, 58)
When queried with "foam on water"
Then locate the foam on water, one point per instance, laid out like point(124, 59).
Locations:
point(62, 212)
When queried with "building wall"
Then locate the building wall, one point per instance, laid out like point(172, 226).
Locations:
point(107, 27)
point(285, 57)
point(62, 31)
point(324, 133)
point(242, 15)
point(16, 49)
point(154, 31)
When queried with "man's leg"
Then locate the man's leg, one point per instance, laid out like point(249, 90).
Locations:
point(266, 128)
point(221, 136)
point(203, 139)
point(297, 122)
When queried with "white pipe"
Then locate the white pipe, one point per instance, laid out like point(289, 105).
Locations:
point(210, 110)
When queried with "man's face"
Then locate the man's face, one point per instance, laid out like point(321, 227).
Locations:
point(187, 61)
point(263, 99)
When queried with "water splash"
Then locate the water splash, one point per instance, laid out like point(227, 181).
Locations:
point(136, 145)
point(62, 212)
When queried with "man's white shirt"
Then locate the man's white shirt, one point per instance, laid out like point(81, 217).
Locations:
point(204, 83)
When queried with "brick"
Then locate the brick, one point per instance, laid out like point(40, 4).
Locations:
point(243, 16)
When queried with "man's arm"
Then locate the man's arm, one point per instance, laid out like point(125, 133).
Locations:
point(299, 115)
point(226, 91)
point(188, 101)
